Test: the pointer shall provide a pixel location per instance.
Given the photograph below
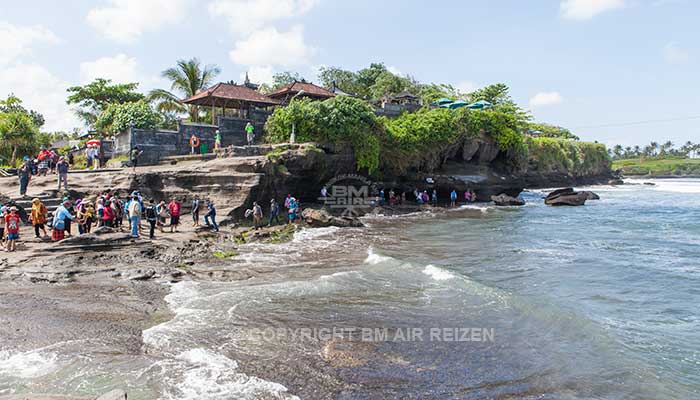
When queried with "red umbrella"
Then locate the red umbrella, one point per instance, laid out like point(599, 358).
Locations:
point(93, 142)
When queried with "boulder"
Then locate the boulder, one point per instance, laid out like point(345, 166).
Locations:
point(566, 197)
point(590, 195)
point(615, 182)
point(321, 218)
point(505, 200)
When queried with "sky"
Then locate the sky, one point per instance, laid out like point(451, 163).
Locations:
point(615, 71)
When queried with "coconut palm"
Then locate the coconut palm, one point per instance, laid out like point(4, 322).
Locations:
point(188, 78)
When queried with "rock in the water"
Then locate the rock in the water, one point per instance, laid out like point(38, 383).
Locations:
point(116, 394)
point(566, 197)
point(590, 195)
point(615, 182)
point(321, 218)
point(505, 200)
point(143, 276)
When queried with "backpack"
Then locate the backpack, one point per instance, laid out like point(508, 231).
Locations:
point(151, 213)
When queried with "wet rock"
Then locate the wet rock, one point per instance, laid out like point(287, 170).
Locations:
point(505, 200)
point(590, 195)
point(566, 197)
point(116, 394)
point(321, 218)
point(615, 182)
point(143, 276)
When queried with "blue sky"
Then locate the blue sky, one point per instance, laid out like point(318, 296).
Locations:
point(590, 65)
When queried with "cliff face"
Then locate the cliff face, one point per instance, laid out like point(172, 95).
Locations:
point(475, 164)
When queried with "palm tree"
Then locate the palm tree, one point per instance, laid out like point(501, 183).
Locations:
point(637, 151)
point(188, 78)
point(654, 146)
point(617, 150)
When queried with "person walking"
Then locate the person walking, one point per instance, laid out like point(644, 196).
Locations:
point(292, 210)
point(25, 175)
point(60, 217)
point(12, 223)
point(134, 155)
point(62, 171)
point(152, 218)
point(257, 215)
point(135, 216)
point(195, 211)
point(250, 133)
point(38, 217)
point(174, 208)
point(211, 215)
point(274, 212)
point(433, 197)
point(217, 140)
point(453, 198)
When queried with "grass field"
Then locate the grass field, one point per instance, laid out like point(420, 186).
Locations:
point(654, 167)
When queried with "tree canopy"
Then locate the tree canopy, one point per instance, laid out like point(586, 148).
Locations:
point(18, 129)
point(92, 99)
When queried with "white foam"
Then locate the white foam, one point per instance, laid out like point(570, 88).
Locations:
point(30, 364)
point(483, 209)
point(437, 273)
point(374, 258)
point(307, 234)
point(201, 374)
point(338, 275)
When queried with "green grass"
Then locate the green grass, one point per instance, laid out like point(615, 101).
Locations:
point(655, 167)
point(224, 254)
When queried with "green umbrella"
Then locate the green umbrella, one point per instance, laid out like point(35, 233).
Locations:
point(480, 105)
point(458, 104)
point(443, 101)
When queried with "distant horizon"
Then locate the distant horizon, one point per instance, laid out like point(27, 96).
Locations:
point(612, 71)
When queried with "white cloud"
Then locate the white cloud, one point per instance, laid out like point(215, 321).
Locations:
point(125, 20)
point(247, 16)
point(545, 99)
point(16, 41)
point(120, 69)
point(674, 54)
point(587, 9)
point(271, 47)
point(259, 74)
point(467, 86)
point(39, 90)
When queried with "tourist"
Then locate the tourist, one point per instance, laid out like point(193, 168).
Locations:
point(287, 201)
point(257, 215)
point(217, 140)
point(12, 223)
point(324, 195)
point(473, 196)
point(174, 208)
point(107, 215)
point(250, 133)
point(81, 217)
point(434, 198)
point(195, 211)
point(4, 210)
point(62, 171)
point(116, 211)
point(419, 197)
point(89, 155)
point(25, 175)
point(163, 215)
point(91, 215)
point(71, 210)
point(467, 196)
point(425, 197)
point(381, 197)
point(60, 217)
point(135, 216)
point(293, 209)
point(453, 198)
point(44, 158)
point(274, 212)
point(152, 218)
point(211, 216)
point(134, 155)
point(38, 217)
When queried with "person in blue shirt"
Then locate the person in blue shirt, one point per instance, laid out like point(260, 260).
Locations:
point(211, 215)
point(453, 198)
point(60, 217)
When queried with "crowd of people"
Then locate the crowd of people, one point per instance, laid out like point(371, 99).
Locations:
point(420, 197)
point(47, 162)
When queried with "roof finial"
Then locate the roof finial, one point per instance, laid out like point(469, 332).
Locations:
point(247, 81)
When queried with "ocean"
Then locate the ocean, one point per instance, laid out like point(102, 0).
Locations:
point(532, 302)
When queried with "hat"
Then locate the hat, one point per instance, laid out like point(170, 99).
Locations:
point(13, 208)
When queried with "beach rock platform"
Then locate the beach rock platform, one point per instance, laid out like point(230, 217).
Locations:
point(505, 200)
point(569, 197)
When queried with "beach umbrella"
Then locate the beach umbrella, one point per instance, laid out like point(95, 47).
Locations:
point(443, 101)
point(92, 142)
point(458, 104)
point(480, 105)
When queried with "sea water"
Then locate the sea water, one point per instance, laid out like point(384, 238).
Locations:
point(593, 302)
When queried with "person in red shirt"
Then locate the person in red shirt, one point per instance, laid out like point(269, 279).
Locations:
point(12, 223)
point(174, 207)
point(108, 215)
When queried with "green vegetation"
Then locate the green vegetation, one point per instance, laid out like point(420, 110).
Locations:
point(551, 131)
point(548, 155)
point(224, 254)
point(18, 129)
point(655, 150)
point(94, 98)
point(119, 117)
point(283, 235)
point(659, 167)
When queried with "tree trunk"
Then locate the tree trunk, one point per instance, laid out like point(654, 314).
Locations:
point(14, 156)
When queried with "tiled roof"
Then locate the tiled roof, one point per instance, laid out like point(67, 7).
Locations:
point(295, 87)
point(222, 93)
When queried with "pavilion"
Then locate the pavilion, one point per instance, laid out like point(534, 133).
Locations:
point(242, 98)
point(286, 93)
